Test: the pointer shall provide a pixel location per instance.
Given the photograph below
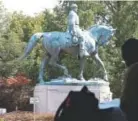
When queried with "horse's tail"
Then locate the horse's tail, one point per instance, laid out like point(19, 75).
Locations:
point(31, 44)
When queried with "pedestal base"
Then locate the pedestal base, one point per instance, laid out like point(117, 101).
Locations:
point(51, 94)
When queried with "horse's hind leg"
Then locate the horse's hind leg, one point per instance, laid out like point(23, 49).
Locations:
point(42, 69)
point(53, 62)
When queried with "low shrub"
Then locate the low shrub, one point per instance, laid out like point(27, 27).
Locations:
point(15, 92)
point(27, 116)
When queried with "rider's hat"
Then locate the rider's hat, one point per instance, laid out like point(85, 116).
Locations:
point(74, 6)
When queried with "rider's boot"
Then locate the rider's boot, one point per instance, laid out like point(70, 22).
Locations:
point(83, 52)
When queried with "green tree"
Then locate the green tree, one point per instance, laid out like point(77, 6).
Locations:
point(123, 16)
point(4, 19)
point(11, 49)
point(24, 27)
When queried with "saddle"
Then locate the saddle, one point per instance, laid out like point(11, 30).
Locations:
point(74, 38)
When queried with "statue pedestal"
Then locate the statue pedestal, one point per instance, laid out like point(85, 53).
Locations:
point(51, 94)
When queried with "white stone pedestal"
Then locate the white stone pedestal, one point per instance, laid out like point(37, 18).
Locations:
point(51, 95)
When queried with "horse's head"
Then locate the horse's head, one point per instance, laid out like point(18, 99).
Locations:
point(102, 33)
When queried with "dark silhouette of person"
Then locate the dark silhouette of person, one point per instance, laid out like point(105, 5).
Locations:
point(129, 97)
point(78, 106)
point(83, 106)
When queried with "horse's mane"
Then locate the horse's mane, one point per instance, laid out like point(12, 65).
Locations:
point(96, 25)
point(92, 26)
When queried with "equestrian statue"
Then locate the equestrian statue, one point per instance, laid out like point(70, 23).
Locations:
point(74, 41)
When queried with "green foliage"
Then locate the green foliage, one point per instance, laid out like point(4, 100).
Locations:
point(4, 19)
point(25, 26)
point(52, 21)
point(122, 15)
point(11, 49)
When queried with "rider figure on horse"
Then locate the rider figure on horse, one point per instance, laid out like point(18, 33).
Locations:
point(75, 31)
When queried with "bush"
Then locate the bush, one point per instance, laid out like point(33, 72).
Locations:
point(27, 116)
point(16, 92)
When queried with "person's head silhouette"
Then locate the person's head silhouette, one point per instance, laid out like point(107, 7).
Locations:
point(129, 51)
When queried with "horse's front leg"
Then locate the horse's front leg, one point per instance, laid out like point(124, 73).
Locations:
point(98, 59)
point(82, 64)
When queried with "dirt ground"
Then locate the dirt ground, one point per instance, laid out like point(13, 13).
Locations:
point(25, 116)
